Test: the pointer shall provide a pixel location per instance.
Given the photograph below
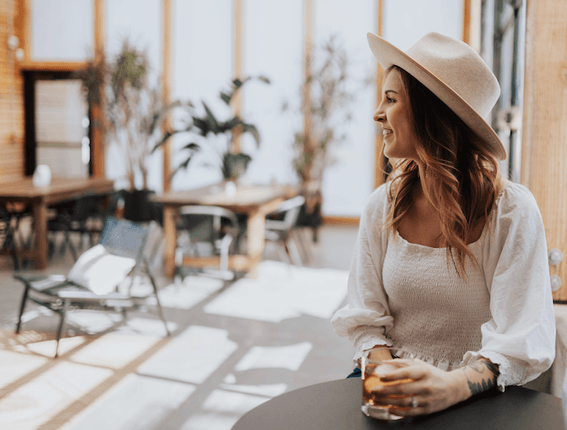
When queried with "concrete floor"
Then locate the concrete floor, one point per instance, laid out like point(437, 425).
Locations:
point(155, 389)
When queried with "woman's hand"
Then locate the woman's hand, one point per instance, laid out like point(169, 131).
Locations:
point(433, 389)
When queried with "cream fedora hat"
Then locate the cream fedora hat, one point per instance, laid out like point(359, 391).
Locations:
point(455, 73)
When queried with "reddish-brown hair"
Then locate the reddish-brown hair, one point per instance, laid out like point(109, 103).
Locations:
point(466, 173)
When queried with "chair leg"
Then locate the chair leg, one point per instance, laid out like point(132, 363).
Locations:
point(293, 251)
point(159, 308)
point(302, 243)
point(282, 252)
point(71, 246)
point(22, 307)
point(61, 325)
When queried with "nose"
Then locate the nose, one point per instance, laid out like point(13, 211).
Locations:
point(379, 115)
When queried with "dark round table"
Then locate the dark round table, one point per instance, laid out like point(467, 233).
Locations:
point(336, 405)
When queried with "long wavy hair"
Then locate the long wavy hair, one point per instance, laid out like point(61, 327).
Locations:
point(465, 172)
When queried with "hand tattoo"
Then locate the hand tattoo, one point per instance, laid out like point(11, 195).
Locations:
point(486, 382)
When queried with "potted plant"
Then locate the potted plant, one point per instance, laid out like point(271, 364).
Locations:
point(131, 115)
point(217, 136)
point(324, 95)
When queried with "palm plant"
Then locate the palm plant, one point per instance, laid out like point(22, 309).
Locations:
point(219, 136)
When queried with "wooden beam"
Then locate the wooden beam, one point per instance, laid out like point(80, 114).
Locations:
point(308, 44)
point(167, 31)
point(544, 128)
point(52, 66)
point(466, 21)
point(341, 220)
point(379, 158)
point(236, 102)
point(22, 26)
point(98, 129)
point(472, 22)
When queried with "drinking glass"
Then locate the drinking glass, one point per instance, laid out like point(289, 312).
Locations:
point(372, 370)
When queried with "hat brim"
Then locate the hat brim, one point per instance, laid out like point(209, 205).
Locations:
point(388, 55)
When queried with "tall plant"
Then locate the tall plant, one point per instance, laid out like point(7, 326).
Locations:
point(216, 135)
point(131, 109)
point(326, 96)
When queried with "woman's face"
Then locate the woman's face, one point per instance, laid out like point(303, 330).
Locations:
point(394, 115)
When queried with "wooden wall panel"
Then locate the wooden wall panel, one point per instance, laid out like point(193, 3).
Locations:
point(544, 153)
point(11, 102)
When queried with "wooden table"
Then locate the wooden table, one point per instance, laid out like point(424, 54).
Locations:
point(336, 405)
point(39, 198)
point(254, 201)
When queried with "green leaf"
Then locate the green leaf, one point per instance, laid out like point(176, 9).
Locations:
point(226, 97)
point(192, 147)
point(211, 121)
point(249, 128)
point(164, 139)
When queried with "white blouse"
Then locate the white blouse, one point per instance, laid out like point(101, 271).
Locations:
point(411, 295)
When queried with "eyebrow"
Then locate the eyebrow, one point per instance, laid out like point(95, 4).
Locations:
point(390, 91)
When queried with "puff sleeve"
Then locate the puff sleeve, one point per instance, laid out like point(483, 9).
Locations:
point(520, 336)
point(366, 318)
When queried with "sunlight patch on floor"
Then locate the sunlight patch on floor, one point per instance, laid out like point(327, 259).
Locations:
point(43, 398)
point(137, 402)
point(268, 357)
point(16, 365)
point(282, 292)
point(47, 348)
point(209, 421)
point(186, 294)
point(114, 350)
point(230, 382)
point(192, 356)
point(225, 407)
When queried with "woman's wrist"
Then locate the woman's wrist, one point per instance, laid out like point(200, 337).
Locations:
point(476, 377)
point(461, 389)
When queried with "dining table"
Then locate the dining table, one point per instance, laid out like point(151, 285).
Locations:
point(37, 199)
point(335, 405)
point(253, 201)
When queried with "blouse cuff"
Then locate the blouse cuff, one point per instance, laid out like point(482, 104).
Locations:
point(512, 370)
point(365, 338)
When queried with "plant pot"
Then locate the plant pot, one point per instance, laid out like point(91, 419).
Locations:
point(310, 213)
point(138, 206)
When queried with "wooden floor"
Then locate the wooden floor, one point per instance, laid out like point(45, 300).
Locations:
point(139, 379)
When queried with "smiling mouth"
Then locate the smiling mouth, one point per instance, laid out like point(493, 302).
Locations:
point(386, 132)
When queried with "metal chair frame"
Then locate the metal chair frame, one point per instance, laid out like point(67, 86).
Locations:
point(281, 232)
point(60, 295)
point(223, 242)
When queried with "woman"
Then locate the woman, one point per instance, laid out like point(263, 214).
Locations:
point(451, 258)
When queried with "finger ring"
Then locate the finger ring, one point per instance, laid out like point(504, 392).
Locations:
point(414, 402)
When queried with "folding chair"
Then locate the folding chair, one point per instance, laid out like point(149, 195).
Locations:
point(281, 231)
point(204, 231)
point(120, 238)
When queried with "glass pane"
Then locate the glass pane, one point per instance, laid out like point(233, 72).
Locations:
point(61, 117)
point(61, 30)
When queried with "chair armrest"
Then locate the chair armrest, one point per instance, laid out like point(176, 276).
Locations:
point(89, 295)
point(42, 283)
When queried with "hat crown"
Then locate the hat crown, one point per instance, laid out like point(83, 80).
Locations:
point(460, 68)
